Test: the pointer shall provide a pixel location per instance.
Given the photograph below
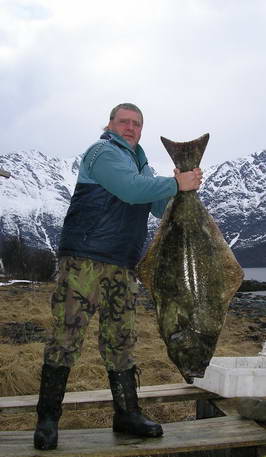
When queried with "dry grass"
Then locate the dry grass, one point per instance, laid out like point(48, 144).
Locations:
point(20, 364)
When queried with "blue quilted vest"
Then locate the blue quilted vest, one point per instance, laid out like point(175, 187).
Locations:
point(102, 227)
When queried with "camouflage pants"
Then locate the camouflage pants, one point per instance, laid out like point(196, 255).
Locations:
point(84, 287)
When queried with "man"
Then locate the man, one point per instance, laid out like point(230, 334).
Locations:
point(101, 242)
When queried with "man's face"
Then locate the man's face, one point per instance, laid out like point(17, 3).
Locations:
point(127, 124)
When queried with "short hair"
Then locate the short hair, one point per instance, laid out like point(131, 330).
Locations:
point(129, 106)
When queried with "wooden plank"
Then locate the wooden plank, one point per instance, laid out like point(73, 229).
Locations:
point(180, 437)
point(206, 409)
point(217, 408)
point(100, 398)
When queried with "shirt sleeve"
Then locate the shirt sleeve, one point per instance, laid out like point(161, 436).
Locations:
point(119, 174)
point(158, 207)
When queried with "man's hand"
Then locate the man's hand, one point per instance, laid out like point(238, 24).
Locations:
point(188, 180)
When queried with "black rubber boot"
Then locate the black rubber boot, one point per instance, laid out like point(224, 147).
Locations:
point(49, 408)
point(128, 417)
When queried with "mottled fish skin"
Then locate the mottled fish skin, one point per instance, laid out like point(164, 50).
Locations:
point(190, 271)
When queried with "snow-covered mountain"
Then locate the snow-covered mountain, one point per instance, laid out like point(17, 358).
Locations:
point(34, 200)
point(235, 194)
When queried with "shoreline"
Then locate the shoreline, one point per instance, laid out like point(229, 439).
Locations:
point(252, 285)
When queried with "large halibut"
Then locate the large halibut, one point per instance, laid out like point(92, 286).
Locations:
point(190, 271)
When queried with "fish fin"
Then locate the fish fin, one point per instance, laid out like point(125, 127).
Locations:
point(186, 155)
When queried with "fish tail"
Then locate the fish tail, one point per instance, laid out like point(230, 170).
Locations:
point(186, 155)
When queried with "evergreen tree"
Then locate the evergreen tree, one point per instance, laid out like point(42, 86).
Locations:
point(24, 262)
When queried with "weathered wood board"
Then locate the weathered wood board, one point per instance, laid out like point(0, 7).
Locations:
point(180, 437)
point(100, 398)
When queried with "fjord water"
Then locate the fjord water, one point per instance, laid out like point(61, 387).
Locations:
point(258, 274)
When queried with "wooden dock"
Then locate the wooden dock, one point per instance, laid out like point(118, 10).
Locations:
point(224, 436)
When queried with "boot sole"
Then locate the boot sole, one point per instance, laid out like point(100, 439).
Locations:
point(130, 431)
point(44, 448)
point(39, 443)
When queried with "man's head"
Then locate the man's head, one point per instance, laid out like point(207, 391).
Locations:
point(127, 121)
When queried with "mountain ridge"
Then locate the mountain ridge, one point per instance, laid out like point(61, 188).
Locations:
point(34, 200)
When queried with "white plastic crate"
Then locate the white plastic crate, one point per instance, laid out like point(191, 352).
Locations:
point(235, 376)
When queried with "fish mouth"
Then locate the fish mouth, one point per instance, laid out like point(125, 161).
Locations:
point(191, 352)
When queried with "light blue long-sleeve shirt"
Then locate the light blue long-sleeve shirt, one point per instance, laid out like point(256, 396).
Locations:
point(125, 173)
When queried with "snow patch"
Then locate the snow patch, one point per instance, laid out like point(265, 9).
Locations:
point(234, 240)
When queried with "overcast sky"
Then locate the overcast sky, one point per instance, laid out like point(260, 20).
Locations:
point(192, 66)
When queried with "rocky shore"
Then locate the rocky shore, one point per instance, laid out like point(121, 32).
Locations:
point(249, 304)
point(250, 285)
point(250, 300)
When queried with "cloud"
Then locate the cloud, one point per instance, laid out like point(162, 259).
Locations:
point(26, 10)
point(193, 67)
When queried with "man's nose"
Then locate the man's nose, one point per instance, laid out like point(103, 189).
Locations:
point(130, 125)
